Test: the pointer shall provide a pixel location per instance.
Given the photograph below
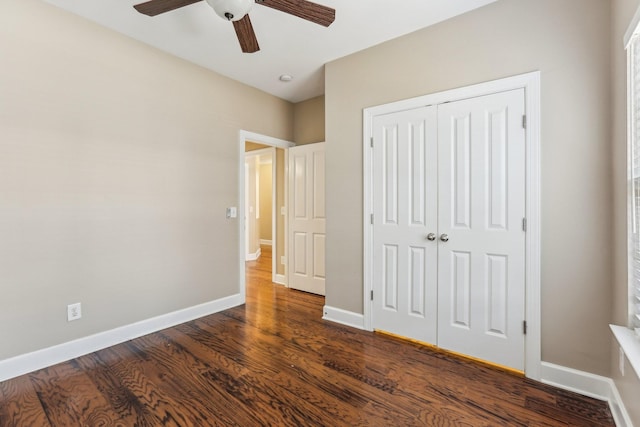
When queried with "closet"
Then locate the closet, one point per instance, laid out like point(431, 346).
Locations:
point(448, 228)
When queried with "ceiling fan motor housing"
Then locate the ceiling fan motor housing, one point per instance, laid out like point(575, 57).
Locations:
point(231, 10)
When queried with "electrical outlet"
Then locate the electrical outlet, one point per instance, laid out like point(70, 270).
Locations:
point(74, 311)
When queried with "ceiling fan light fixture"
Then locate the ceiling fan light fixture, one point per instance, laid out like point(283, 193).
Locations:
point(231, 10)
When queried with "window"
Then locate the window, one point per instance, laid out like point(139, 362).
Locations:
point(634, 182)
point(628, 339)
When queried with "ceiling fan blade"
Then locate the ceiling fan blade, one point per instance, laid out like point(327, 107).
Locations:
point(156, 7)
point(304, 9)
point(246, 35)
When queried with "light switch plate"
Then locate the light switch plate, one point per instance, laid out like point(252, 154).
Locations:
point(232, 212)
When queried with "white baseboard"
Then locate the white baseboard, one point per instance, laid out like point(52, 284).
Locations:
point(20, 365)
point(254, 256)
point(280, 279)
point(618, 410)
point(266, 242)
point(344, 317)
point(585, 383)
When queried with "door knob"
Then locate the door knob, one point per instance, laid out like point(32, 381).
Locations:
point(444, 237)
point(431, 237)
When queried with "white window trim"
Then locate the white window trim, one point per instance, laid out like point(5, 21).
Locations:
point(629, 340)
point(629, 344)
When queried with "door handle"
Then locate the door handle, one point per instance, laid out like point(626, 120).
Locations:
point(431, 237)
point(444, 237)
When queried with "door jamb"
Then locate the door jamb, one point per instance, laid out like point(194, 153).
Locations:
point(530, 82)
point(243, 137)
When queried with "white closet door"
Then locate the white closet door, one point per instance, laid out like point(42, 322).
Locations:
point(481, 267)
point(405, 212)
point(307, 218)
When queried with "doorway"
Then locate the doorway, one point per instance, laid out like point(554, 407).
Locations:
point(278, 205)
point(260, 199)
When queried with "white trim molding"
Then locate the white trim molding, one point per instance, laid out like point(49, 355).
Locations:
point(280, 279)
point(254, 256)
point(343, 317)
point(630, 344)
point(587, 384)
point(530, 82)
point(23, 364)
point(266, 242)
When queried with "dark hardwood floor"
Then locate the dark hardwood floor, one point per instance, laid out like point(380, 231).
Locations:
point(274, 361)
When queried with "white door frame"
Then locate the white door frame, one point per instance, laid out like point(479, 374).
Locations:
point(530, 82)
point(244, 137)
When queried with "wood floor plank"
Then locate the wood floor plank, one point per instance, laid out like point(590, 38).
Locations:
point(69, 397)
point(253, 391)
point(19, 404)
point(156, 388)
point(194, 374)
point(274, 361)
point(131, 410)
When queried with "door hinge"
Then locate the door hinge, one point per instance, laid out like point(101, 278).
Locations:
point(524, 327)
point(524, 224)
point(371, 295)
point(371, 142)
point(524, 121)
point(371, 219)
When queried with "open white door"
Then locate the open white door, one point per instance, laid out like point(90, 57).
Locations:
point(307, 218)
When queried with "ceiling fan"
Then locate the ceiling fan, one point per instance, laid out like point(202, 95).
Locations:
point(237, 11)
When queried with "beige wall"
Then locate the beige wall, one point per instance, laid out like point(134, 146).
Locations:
point(253, 146)
point(569, 42)
point(308, 121)
point(622, 13)
point(117, 162)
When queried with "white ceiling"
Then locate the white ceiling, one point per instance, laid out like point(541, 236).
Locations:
point(289, 45)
